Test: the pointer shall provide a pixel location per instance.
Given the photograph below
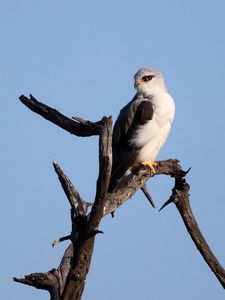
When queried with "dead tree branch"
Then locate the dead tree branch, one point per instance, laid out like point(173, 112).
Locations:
point(83, 242)
point(68, 280)
point(45, 281)
point(180, 197)
point(76, 126)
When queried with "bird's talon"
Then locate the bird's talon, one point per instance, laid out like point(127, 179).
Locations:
point(151, 164)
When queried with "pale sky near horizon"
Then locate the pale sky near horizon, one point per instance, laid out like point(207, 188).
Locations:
point(80, 58)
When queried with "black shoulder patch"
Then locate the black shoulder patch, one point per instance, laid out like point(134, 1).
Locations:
point(144, 113)
point(133, 115)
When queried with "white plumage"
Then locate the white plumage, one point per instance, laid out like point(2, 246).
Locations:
point(152, 136)
point(143, 125)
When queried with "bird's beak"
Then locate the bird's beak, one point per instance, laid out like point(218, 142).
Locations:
point(137, 83)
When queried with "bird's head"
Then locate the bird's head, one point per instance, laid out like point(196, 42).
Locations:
point(148, 81)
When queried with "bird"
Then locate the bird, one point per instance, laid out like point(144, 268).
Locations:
point(142, 126)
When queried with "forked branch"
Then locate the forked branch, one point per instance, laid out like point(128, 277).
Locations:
point(68, 280)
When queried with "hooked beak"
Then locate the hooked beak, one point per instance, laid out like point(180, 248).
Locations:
point(137, 83)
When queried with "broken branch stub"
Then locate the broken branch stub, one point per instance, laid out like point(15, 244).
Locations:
point(68, 280)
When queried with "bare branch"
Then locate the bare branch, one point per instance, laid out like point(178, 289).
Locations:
point(62, 239)
point(105, 165)
point(85, 243)
point(45, 281)
point(68, 281)
point(180, 197)
point(83, 128)
point(76, 202)
point(136, 181)
point(64, 267)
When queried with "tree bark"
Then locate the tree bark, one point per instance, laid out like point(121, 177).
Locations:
point(68, 280)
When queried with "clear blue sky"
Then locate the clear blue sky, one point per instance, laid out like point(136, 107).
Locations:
point(80, 57)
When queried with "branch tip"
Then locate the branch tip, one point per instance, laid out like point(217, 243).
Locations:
point(96, 231)
point(166, 203)
point(55, 164)
point(188, 170)
point(147, 195)
point(99, 231)
point(62, 239)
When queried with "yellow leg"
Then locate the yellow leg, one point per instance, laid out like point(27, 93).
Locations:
point(151, 164)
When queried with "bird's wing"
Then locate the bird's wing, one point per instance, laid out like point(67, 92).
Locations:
point(136, 113)
point(122, 127)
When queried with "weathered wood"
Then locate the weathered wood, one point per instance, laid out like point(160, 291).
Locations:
point(134, 182)
point(44, 281)
point(68, 280)
point(85, 242)
point(75, 200)
point(147, 195)
point(180, 197)
point(76, 126)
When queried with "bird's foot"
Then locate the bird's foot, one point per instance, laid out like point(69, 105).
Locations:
point(151, 164)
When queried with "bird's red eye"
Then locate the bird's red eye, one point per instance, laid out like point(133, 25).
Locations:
point(147, 78)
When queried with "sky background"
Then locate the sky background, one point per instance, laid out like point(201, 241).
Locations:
point(80, 57)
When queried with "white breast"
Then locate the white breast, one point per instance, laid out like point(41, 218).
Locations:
point(151, 136)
